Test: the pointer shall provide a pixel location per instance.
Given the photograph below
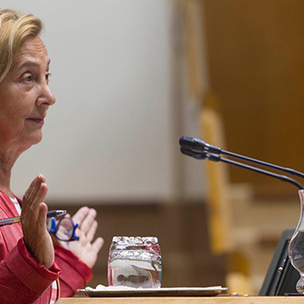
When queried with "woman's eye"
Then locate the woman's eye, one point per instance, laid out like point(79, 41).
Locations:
point(28, 77)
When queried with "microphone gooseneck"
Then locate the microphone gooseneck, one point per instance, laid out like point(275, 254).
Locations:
point(198, 145)
point(199, 149)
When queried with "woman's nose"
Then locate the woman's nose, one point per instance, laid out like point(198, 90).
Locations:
point(46, 97)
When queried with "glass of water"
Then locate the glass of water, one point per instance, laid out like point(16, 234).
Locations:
point(134, 262)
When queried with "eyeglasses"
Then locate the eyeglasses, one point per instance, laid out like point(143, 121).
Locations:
point(63, 230)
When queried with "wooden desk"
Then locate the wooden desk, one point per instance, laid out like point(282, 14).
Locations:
point(186, 300)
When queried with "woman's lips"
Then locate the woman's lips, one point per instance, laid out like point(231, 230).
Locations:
point(38, 120)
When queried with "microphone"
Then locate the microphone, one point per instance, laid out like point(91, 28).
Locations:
point(214, 157)
point(198, 145)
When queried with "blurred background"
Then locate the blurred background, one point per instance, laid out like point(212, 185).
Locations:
point(133, 76)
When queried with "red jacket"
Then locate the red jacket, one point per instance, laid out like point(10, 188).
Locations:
point(22, 278)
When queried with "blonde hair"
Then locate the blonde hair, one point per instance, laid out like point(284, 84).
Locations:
point(15, 28)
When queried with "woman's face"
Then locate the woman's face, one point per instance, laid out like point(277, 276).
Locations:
point(25, 97)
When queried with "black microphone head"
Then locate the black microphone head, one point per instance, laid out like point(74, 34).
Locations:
point(201, 155)
point(186, 141)
point(192, 143)
point(198, 145)
point(193, 154)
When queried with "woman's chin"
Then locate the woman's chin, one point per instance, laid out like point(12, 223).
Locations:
point(32, 140)
point(37, 139)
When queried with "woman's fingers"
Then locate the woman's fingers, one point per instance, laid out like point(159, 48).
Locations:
point(33, 220)
point(88, 221)
point(85, 217)
point(98, 244)
point(80, 215)
point(91, 231)
point(34, 195)
point(41, 219)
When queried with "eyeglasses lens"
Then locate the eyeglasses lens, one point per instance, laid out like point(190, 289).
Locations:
point(65, 229)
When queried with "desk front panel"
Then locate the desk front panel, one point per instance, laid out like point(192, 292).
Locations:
point(186, 300)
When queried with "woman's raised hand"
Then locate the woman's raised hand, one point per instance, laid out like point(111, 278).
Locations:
point(85, 248)
point(33, 221)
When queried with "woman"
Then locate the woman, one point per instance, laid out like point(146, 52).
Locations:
point(31, 265)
